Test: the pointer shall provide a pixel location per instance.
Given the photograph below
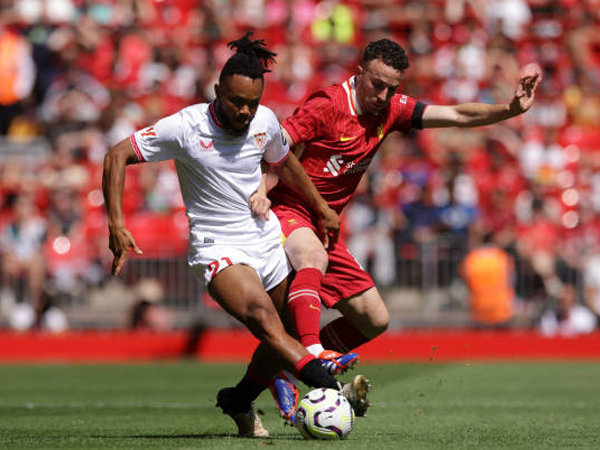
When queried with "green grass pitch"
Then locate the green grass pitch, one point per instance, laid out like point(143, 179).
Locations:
point(171, 406)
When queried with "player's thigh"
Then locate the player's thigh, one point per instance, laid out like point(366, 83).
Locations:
point(239, 291)
point(366, 311)
point(304, 249)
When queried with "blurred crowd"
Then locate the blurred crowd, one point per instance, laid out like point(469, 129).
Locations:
point(513, 209)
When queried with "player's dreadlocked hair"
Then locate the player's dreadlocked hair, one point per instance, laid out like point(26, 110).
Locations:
point(251, 58)
point(389, 52)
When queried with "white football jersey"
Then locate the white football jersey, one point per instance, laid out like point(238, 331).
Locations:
point(218, 171)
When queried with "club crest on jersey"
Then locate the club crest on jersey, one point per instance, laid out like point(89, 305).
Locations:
point(207, 147)
point(260, 139)
point(403, 99)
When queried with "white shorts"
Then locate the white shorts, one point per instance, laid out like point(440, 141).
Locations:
point(267, 258)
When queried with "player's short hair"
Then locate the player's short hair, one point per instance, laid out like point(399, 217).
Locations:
point(251, 59)
point(389, 52)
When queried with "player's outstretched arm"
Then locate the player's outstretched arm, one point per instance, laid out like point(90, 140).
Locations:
point(477, 114)
point(120, 240)
point(292, 173)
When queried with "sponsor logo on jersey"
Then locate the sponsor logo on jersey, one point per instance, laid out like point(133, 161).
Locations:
point(334, 165)
point(353, 167)
point(148, 132)
point(260, 139)
point(206, 147)
point(403, 99)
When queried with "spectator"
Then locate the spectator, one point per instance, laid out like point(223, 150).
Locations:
point(147, 312)
point(22, 261)
point(489, 273)
point(420, 218)
point(370, 242)
point(17, 72)
point(591, 279)
point(567, 317)
point(83, 75)
point(456, 216)
point(67, 252)
point(509, 17)
point(74, 97)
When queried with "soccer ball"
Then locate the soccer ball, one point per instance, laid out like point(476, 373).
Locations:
point(324, 414)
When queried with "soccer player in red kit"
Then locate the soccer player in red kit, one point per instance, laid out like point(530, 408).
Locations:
point(341, 128)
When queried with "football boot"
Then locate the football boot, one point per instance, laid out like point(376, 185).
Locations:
point(286, 396)
point(337, 363)
point(248, 423)
point(356, 392)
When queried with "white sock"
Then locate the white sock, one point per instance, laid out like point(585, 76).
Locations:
point(315, 349)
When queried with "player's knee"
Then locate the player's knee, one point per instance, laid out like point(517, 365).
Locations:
point(381, 324)
point(316, 257)
point(378, 323)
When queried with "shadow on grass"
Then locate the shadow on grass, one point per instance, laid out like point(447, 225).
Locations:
point(195, 436)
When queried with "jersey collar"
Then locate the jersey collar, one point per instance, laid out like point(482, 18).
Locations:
point(213, 115)
point(350, 87)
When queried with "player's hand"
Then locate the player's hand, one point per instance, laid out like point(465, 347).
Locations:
point(329, 225)
point(260, 204)
point(531, 77)
point(120, 240)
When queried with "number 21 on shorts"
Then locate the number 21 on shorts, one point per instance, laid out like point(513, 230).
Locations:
point(214, 265)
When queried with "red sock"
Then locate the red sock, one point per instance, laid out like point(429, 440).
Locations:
point(304, 304)
point(303, 362)
point(341, 336)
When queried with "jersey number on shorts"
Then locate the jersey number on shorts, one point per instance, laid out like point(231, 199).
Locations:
point(214, 265)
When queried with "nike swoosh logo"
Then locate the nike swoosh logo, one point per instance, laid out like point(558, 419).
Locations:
point(311, 306)
point(347, 138)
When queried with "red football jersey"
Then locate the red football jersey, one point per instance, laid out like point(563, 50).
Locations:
point(340, 142)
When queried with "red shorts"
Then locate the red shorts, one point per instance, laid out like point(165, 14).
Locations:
point(344, 277)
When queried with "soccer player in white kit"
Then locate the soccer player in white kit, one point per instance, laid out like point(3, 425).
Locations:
point(235, 240)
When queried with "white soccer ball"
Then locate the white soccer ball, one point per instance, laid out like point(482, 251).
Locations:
point(324, 414)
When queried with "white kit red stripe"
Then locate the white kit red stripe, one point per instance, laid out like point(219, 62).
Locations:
point(281, 160)
point(213, 115)
point(136, 148)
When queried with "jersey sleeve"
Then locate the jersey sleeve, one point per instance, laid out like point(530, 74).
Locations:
point(310, 119)
point(161, 141)
point(277, 147)
point(408, 113)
